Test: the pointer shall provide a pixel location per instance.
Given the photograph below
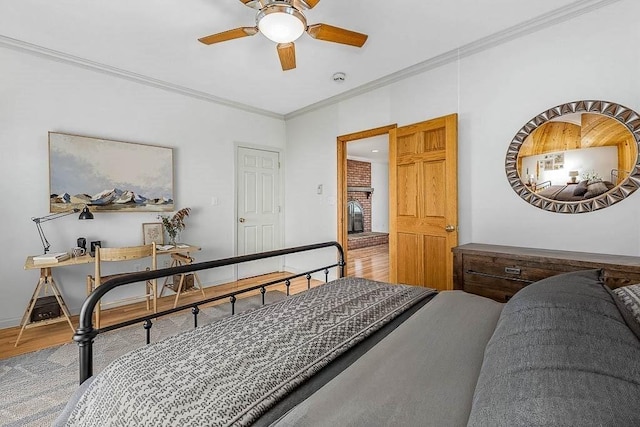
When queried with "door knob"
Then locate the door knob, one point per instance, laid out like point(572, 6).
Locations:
point(241, 220)
point(450, 228)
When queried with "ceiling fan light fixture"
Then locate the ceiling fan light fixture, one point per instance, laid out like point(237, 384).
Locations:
point(281, 23)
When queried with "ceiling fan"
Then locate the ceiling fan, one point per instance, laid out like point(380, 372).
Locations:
point(283, 22)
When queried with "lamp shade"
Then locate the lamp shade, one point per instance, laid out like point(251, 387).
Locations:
point(85, 214)
point(281, 23)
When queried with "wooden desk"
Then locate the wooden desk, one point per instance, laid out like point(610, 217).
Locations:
point(46, 283)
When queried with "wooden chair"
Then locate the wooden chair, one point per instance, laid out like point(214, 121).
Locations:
point(179, 284)
point(123, 254)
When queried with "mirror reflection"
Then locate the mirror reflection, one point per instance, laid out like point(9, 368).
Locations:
point(576, 156)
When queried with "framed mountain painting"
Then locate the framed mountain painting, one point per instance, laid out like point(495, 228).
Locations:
point(109, 175)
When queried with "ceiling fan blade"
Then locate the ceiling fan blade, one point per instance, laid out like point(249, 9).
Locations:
point(306, 4)
point(337, 35)
point(287, 54)
point(236, 33)
point(252, 3)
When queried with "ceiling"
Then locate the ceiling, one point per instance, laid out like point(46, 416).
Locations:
point(155, 42)
point(374, 149)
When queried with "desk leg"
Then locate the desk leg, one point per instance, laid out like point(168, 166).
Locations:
point(46, 279)
point(166, 279)
point(58, 295)
point(185, 259)
point(178, 291)
point(195, 274)
point(32, 303)
point(191, 260)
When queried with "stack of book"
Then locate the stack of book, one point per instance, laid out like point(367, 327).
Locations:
point(51, 258)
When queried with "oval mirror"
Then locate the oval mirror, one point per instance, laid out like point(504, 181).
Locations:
point(576, 157)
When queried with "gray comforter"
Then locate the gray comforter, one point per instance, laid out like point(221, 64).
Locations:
point(232, 371)
point(421, 374)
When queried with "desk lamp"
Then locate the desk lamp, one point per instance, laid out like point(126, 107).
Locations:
point(85, 214)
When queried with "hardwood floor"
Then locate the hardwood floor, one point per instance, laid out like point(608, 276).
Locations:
point(371, 263)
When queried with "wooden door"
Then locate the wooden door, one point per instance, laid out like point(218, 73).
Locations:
point(258, 208)
point(423, 202)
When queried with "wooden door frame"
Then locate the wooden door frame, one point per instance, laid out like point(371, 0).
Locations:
point(342, 142)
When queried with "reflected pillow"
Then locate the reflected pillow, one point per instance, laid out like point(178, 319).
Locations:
point(627, 299)
point(581, 188)
point(595, 188)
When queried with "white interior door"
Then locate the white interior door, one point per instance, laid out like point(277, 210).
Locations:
point(258, 208)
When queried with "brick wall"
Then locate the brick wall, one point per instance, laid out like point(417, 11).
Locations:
point(359, 175)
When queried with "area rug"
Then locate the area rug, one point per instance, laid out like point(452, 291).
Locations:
point(35, 387)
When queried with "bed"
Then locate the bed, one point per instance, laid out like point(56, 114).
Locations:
point(380, 354)
point(575, 192)
point(580, 191)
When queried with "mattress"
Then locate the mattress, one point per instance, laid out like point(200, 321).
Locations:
point(423, 373)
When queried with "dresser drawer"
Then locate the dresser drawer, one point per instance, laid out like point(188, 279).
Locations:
point(498, 272)
point(483, 269)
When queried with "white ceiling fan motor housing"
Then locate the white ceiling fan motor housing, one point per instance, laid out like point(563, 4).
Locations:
point(281, 22)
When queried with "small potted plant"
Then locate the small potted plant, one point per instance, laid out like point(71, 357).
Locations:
point(174, 224)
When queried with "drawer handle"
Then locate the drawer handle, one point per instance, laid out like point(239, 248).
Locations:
point(495, 276)
point(512, 270)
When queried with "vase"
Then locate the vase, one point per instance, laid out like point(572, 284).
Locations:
point(173, 239)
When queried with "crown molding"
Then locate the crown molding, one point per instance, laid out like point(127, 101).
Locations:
point(563, 14)
point(62, 57)
point(541, 22)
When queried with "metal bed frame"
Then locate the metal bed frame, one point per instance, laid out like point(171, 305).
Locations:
point(86, 333)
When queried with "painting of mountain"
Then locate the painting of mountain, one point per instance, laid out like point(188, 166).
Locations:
point(109, 175)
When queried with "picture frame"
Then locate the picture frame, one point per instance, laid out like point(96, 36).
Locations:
point(558, 161)
point(152, 232)
point(109, 176)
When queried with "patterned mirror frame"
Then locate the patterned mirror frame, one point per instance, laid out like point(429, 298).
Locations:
point(629, 118)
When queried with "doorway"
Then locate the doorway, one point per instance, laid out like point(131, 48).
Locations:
point(422, 200)
point(258, 208)
point(354, 148)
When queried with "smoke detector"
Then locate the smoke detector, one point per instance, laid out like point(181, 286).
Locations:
point(339, 77)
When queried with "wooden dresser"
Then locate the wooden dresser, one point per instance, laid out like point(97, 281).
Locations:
point(498, 272)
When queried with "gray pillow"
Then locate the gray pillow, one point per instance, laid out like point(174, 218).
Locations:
point(627, 299)
point(595, 188)
point(561, 355)
point(581, 188)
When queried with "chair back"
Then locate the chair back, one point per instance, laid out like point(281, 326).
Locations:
point(124, 254)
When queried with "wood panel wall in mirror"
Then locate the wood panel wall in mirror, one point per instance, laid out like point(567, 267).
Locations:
point(576, 157)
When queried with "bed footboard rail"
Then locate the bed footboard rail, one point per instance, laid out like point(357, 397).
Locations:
point(543, 185)
point(86, 333)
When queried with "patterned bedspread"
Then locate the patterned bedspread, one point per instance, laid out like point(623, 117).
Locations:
point(232, 371)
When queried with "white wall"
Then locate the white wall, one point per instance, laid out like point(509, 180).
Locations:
point(310, 217)
point(380, 197)
point(39, 95)
point(495, 92)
